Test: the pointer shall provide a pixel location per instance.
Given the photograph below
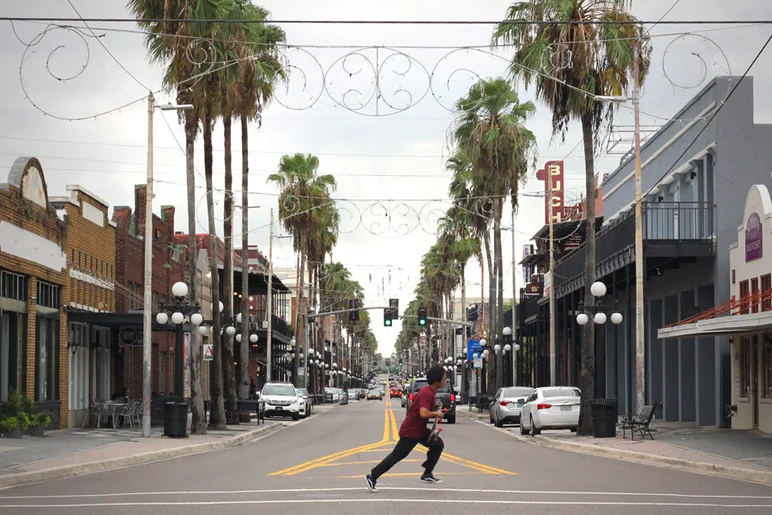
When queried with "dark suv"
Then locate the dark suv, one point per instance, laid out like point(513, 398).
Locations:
point(444, 394)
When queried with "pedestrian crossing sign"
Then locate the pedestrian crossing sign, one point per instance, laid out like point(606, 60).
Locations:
point(208, 351)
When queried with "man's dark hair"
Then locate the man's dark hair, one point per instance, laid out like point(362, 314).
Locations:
point(434, 375)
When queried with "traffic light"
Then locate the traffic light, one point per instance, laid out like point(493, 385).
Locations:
point(353, 315)
point(387, 317)
point(422, 316)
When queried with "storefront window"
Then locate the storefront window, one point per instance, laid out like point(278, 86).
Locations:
point(744, 300)
point(44, 375)
point(766, 292)
point(745, 366)
point(766, 365)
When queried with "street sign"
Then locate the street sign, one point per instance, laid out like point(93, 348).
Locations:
point(472, 346)
point(208, 351)
point(129, 335)
point(477, 363)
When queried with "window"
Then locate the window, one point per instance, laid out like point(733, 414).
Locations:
point(13, 286)
point(48, 295)
point(744, 291)
point(766, 365)
point(755, 295)
point(745, 366)
point(46, 357)
point(766, 292)
point(9, 353)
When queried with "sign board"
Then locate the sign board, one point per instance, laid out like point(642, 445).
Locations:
point(130, 335)
point(472, 346)
point(527, 270)
point(208, 351)
point(753, 238)
point(547, 286)
point(477, 363)
point(552, 172)
point(301, 371)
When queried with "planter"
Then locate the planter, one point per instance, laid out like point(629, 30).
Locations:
point(38, 431)
point(16, 433)
point(245, 417)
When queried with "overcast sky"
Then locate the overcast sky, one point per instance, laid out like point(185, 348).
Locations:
point(385, 157)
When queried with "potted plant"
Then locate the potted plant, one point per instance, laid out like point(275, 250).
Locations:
point(10, 427)
point(38, 423)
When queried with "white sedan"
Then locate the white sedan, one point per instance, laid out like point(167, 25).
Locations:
point(551, 407)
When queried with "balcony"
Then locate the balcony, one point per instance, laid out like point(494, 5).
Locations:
point(670, 229)
point(278, 326)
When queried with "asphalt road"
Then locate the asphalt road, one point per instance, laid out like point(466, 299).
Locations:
point(319, 465)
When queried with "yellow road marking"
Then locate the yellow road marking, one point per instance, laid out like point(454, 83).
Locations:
point(414, 474)
point(390, 437)
point(364, 462)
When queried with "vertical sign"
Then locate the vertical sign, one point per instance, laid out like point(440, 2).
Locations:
point(186, 364)
point(554, 172)
point(547, 286)
point(527, 270)
point(753, 238)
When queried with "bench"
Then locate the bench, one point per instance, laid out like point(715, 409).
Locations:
point(639, 422)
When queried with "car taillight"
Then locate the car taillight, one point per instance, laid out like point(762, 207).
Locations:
point(411, 396)
point(543, 406)
point(504, 403)
point(452, 397)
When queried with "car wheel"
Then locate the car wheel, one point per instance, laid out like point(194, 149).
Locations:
point(534, 430)
point(296, 416)
point(499, 423)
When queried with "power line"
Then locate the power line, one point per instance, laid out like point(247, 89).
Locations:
point(382, 22)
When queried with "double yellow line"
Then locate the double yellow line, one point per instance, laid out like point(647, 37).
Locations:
point(390, 437)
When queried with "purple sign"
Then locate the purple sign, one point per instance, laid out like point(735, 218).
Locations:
point(753, 238)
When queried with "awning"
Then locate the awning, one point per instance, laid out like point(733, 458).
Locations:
point(729, 324)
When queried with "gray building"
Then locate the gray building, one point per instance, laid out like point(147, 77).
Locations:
point(696, 172)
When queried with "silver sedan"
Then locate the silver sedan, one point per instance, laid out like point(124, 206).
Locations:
point(507, 404)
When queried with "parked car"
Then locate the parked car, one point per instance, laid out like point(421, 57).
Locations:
point(282, 400)
point(309, 402)
point(373, 394)
point(551, 407)
point(507, 404)
point(445, 394)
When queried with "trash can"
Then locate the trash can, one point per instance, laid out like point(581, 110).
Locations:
point(176, 418)
point(604, 418)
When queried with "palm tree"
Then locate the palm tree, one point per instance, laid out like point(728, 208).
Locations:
point(303, 191)
point(489, 126)
point(167, 45)
point(584, 59)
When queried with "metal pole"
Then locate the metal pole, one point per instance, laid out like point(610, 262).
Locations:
point(179, 379)
point(269, 302)
point(553, 350)
point(147, 327)
point(513, 358)
point(640, 350)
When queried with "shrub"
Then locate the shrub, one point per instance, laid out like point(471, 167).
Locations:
point(23, 422)
point(9, 424)
point(44, 420)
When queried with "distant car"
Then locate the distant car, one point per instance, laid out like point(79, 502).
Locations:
point(507, 404)
point(395, 391)
point(373, 395)
point(551, 407)
point(282, 400)
point(445, 394)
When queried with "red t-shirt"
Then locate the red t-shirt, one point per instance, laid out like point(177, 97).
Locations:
point(414, 426)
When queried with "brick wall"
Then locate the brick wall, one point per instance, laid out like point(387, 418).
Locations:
point(130, 269)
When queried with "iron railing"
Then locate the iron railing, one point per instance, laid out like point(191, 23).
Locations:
point(677, 221)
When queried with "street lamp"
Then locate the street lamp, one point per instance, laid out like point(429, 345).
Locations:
point(598, 289)
point(147, 326)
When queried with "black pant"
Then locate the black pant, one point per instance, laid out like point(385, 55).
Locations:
point(404, 447)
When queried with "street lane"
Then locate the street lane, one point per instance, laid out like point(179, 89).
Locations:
point(321, 462)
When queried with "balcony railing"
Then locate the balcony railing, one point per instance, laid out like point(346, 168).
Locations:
point(277, 325)
point(677, 221)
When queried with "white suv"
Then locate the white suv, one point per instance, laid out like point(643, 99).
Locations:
point(282, 400)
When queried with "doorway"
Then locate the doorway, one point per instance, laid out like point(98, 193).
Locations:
point(9, 353)
point(755, 380)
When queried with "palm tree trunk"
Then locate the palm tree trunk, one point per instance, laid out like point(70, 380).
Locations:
point(500, 287)
point(245, 345)
point(301, 318)
point(229, 370)
point(198, 424)
point(588, 342)
point(490, 375)
point(217, 414)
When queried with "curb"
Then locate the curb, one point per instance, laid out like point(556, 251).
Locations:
point(473, 416)
point(724, 471)
point(68, 471)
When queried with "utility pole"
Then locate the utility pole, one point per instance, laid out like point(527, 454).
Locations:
point(514, 304)
point(553, 350)
point(147, 327)
point(640, 349)
point(269, 302)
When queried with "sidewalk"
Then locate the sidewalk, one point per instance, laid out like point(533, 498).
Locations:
point(742, 455)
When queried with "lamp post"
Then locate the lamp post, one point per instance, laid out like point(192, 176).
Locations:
point(598, 311)
point(147, 327)
point(177, 313)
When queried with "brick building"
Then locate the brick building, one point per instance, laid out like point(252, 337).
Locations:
point(56, 260)
point(168, 268)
